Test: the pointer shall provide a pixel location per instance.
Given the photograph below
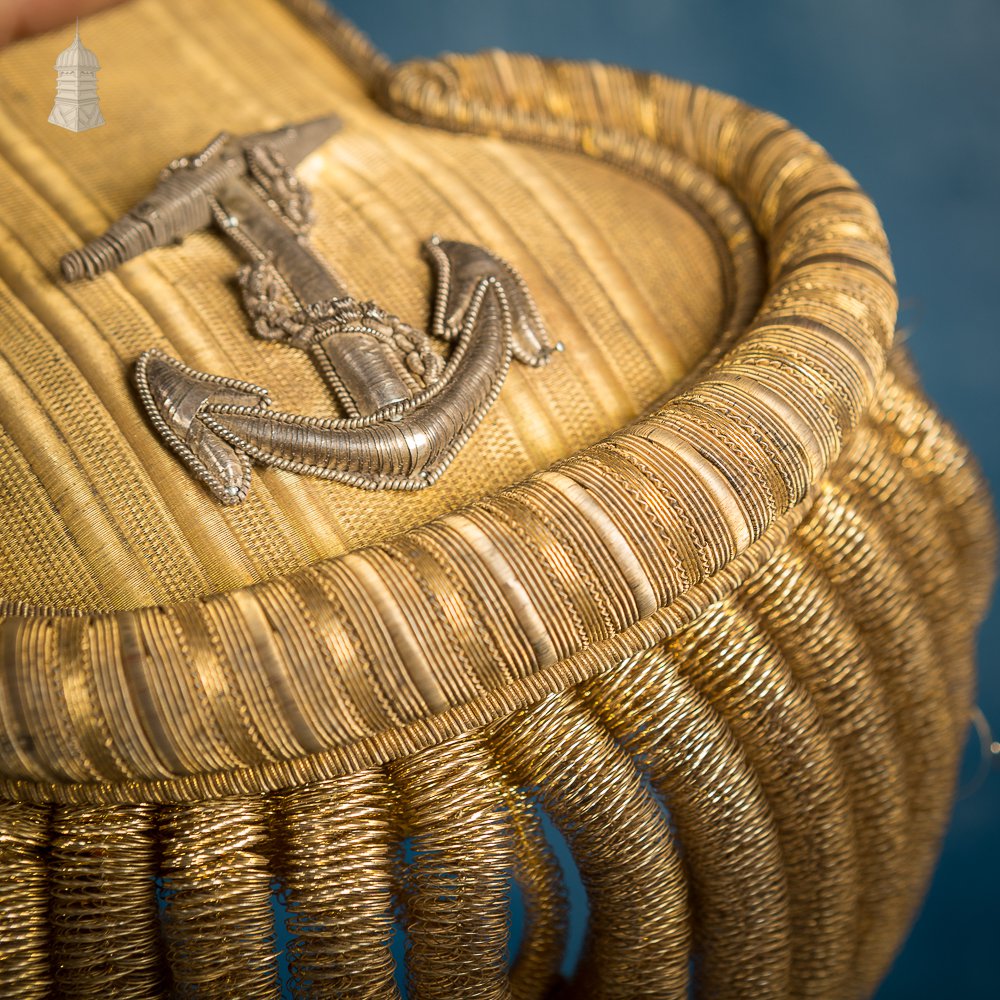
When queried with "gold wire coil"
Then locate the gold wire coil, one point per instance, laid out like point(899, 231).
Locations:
point(803, 616)
point(455, 889)
point(103, 913)
point(337, 844)
point(739, 671)
point(25, 942)
point(638, 930)
point(217, 883)
point(724, 824)
point(536, 969)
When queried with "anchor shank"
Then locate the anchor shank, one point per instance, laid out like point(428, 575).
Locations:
point(363, 371)
point(252, 220)
point(353, 364)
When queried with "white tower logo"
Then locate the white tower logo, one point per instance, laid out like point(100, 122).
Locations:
point(76, 106)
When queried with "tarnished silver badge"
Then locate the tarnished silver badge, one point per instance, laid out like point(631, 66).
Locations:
point(406, 410)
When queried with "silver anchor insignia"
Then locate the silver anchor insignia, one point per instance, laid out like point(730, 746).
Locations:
point(407, 411)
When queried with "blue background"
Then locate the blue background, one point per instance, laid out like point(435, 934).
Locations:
point(906, 94)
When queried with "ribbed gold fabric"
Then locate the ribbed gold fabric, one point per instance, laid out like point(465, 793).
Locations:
point(700, 595)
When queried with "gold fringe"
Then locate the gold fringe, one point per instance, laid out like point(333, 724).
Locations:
point(798, 610)
point(456, 889)
point(536, 869)
point(104, 916)
point(852, 548)
point(219, 920)
point(775, 719)
point(725, 827)
point(24, 903)
point(337, 844)
point(638, 938)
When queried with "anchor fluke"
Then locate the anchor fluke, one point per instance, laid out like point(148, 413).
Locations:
point(177, 399)
point(461, 268)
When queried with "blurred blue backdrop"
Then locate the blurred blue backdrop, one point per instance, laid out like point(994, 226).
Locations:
point(906, 94)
